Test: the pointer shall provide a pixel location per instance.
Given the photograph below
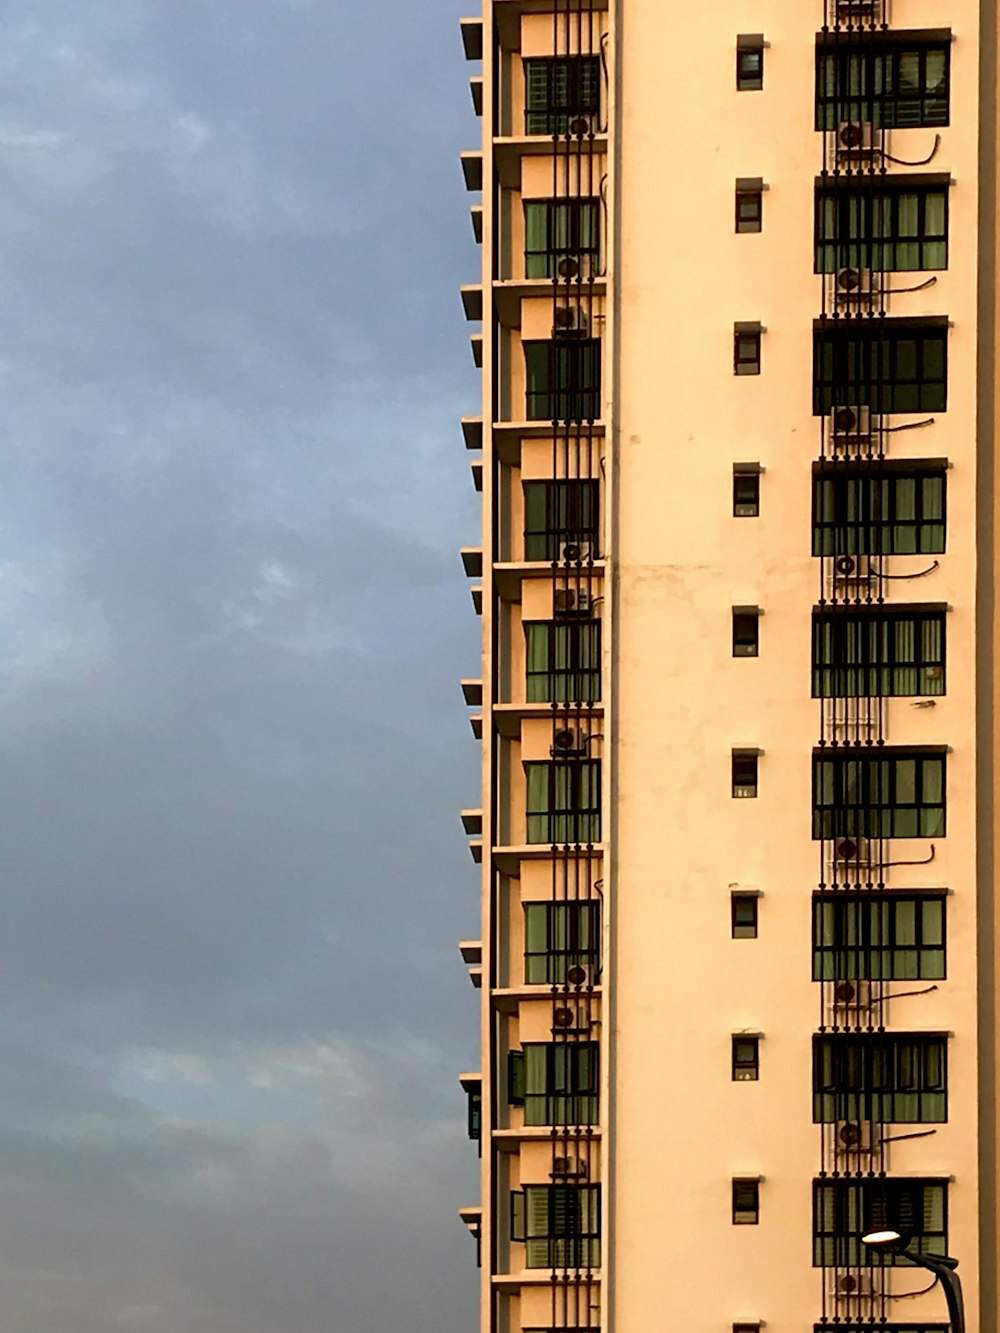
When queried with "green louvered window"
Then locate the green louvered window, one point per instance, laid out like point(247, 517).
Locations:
point(564, 802)
point(883, 511)
point(559, 92)
point(891, 794)
point(559, 937)
point(844, 1210)
point(885, 229)
point(889, 1078)
point(878, 937)
point(878, 653)
point(556, 1082)
point(560, 1225)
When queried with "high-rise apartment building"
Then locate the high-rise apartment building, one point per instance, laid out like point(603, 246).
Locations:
point(739, 751)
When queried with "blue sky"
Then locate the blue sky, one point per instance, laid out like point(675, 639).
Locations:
point(232, 624)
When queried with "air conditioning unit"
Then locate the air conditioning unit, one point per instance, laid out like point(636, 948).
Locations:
point(850, 1286)
point(569, 321)
point(854, 1138)
point(582, 124)
point(850, 426)
point(852, 995)
point(855, 717)
point(569, 743)
point(579, 974)
point(852, 852)
point(572, 601)
point(569, 1166)
point(570, 1016)
point(852, 284)
point(851, 570)
point(569, 267)
point(574, 553)
point(855, 141)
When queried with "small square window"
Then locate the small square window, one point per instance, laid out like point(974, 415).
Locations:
point(749, 209)
point(744, 916)
point(744, 773)
point(746, 494)
point(749, 64)
point(746, 349)
point(746, 1059)
point(746, 1202)
point(746, 631)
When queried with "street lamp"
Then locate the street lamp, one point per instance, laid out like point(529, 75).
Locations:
point(941, 1265)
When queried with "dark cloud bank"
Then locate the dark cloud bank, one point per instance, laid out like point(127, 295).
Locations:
point(232, 620)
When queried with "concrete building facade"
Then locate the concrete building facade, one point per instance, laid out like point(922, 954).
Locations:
point(737, 831)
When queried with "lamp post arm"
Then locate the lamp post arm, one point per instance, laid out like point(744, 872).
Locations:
point(944, 1270)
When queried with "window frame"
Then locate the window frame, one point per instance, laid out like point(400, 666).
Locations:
point(894, 1078)
point(744, 929)
point(745, 1066)
point(745, 1199)
point(872, 364)
point(745, 618)
point(565, 811)
point(861, 652)
point(561, 1082)
point(864, 931)
point(853, 209)
point(858, 1205)
point(857, 511)
point(572, 653)
point(565, 223)
point(747, 349)
point(569, 510)
point(745, 765)
point(750, 501)
point(866, 62)
point(574, 1241)
point(556, 108)
point(563, 375)
point(847, 794)
point(582, 941)
point(749, 64)
point(751, 222)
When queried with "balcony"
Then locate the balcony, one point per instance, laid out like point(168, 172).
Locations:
point(472, 37)
point(510, 151)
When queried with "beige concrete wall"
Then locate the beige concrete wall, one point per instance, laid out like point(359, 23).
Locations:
point(680, 1127)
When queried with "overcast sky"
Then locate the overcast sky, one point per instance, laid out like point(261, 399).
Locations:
point(232, 744)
